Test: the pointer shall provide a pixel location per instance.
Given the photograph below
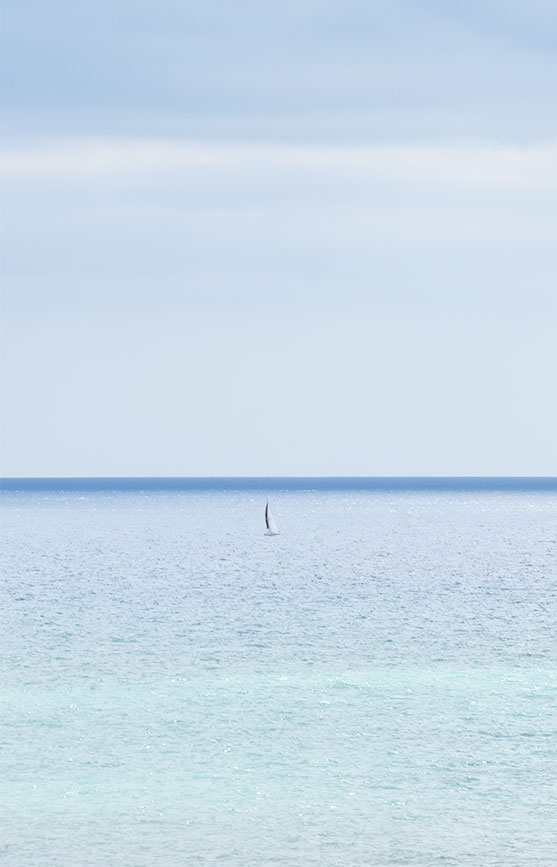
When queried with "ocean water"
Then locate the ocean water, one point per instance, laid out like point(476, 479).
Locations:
point(375, 686)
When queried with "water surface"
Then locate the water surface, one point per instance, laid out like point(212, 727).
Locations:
point(375, 686)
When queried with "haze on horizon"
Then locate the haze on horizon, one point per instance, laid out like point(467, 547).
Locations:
point(279, 239)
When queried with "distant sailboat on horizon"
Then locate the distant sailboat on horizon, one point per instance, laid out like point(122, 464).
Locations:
point(272, 529)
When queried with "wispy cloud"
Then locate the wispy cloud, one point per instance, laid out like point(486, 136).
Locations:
point(488, 165)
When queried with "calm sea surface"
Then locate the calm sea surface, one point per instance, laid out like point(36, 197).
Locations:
point(375, 686)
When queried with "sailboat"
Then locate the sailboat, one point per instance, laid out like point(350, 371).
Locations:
point(272, 529)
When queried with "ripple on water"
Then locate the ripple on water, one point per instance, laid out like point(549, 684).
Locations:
point(374, 686)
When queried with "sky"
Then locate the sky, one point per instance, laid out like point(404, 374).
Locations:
point(296, 238)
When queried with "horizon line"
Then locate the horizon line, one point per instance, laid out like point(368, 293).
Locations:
point(283, 476)
point(130, 484)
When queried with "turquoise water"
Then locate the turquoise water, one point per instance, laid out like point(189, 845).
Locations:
point(375, 686)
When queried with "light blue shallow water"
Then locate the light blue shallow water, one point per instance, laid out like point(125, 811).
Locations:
point(375, 686)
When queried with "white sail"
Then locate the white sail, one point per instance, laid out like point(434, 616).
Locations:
point(272, 529)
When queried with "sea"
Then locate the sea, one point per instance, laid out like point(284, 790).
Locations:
point(377, 685)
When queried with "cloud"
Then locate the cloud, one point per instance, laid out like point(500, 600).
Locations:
point(488, 165)
point(139, 223)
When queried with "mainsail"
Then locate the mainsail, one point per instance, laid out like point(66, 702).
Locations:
point(272, 529)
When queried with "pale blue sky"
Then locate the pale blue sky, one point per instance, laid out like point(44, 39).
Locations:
point(251, 238)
